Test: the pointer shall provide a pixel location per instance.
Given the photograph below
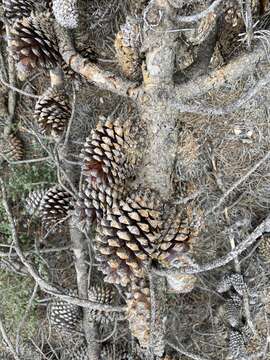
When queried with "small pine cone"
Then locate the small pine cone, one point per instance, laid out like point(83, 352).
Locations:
point(111, 351)
point(17, 9)
point(52, 112)
point(55, 205)
point(33, 42)
point(264, 248)
point(238, 283)
point(102, 295)
point(233, 311)
point(174, 240)
point(14, 150)
point(63, 316)
point(127, 238)
point(79, 353)
point(103, 154)
point(127, 47)
point(66, 13)
point(33, 201)
point(236, 344)
point(139, 312)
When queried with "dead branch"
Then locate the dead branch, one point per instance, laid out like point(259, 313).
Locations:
point(225, 76)
point(215, 8)
point(186, 353)
point(91, 72)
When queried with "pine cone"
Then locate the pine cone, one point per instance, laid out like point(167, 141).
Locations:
point(17, 9)
point(111, 351)
point(55, 205)
point(33, 201)
point(103, 154)
point(139, 312)
point(233, 280)
point(52, 112)
point(174, 239)
point(102, 295)
point(64, 316)
point(233, 310)
point(66, 13)
point(127, 46)
point(33, 42)
point(13, 148)
point(264, 248)
point(127, 238)
point(236, 344)
point(79, 353)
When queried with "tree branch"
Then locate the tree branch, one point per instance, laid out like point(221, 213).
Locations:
point(215, 7)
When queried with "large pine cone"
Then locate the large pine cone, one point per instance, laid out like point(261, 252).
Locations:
point(103, 154)
point(34, 43)
point(16, 9)
point(53, 112)
point(139, 312)
point(64, 316)
point(33, 201)
point(13, 148)
point(102, 294)
point(55, 205)
point(127, 238)
point(127, 46)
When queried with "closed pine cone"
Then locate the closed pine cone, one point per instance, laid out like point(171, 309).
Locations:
point(79, 353)
point(103, 154)
point(264, 248)
point(64, 316)
point(33, 201)
point(127, 238)
point(55, 205)
point(33, 42)
point(127, 47)
point(139, 312)
point(101, 294)
point(52, 112)
point(13, 148)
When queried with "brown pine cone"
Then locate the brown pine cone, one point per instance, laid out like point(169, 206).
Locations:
point(139, 312)
point(103, 154)
point(33, 201)
point(33, 42)
point(127, 238)
point(264, 248)
point(101, 294)
point(13, 148)
point(52, 112)
point(64, 316)
point(16, 9)
point(174, 239)
point(55, 205)
point(127, 47)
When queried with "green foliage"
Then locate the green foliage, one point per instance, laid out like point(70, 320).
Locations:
point(27, 177)
point(15, 292)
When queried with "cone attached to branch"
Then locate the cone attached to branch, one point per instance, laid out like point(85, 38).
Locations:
point(55, 205)
point(127, 46)
point(33, 42)
point(64, 316)
point(53, 112)
point(127, 238)
point(33, 201)
point(139, 312)
point(17, 9)
point(13, 148)
point(101, 294)
point(103, 154)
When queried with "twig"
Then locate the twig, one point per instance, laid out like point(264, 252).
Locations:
point(27, 310)
point(237, 183)
point(215, 7)
point(186, 353)
point(7, 341)
point(259, 230)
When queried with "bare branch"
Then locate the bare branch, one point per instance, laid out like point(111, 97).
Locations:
point(215, 8)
